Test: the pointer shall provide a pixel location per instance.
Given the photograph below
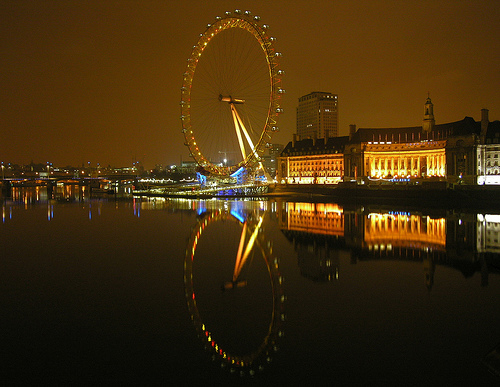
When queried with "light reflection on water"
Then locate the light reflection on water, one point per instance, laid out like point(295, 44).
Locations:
point(144, 290)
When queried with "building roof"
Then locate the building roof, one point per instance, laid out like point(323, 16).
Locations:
point(317, 94)
point(415, 133)
point(493, 133)
point(464, 127)
point(318, 146)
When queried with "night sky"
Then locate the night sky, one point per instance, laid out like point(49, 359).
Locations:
point(100, 80)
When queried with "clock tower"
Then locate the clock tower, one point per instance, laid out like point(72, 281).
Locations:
point(428, 123)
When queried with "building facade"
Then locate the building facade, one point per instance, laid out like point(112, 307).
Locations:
point(461, 152)
point(312, 161)
point(317, 115)
point(488, 152)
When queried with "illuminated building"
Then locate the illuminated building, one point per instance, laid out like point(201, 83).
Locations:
point(488, 152)
point(444, 152)
point(317, 115)
point(461, 152)
point(312, 161)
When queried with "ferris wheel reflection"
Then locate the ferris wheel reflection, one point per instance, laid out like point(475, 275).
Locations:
point(241, 257)
point(241, 235)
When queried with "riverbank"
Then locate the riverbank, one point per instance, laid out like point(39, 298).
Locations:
point(438, 195)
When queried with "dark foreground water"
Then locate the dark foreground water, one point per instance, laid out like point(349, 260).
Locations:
point(176, 292)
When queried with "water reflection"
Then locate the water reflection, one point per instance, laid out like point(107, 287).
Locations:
point(319, 232)
point(325, 236)
point(237, 313)
point(372, 293)
point(54, 198)
point(468, 242)
point(42, 194)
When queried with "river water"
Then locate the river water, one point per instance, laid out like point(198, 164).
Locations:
point(139, 291)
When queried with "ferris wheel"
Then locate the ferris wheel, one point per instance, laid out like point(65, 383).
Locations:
point(230, 96)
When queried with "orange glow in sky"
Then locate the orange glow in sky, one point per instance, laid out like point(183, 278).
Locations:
point(100, 81)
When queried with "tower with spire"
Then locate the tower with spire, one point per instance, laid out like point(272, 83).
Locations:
point(428, 123)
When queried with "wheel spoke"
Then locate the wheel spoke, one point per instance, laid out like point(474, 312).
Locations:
point(234, 61)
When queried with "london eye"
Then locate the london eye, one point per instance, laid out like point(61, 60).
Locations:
point(230, 96)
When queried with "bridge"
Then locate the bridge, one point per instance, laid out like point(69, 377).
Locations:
point(110, 183)
point(144, 187)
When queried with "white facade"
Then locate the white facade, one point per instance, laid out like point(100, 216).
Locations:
point(488, 164)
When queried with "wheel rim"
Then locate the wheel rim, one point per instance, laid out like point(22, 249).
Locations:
point(233, 61)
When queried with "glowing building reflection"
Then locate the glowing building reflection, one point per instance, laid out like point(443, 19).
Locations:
point(317, 255)
point(316, 218)
point(321, 233)
point(387, 230)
